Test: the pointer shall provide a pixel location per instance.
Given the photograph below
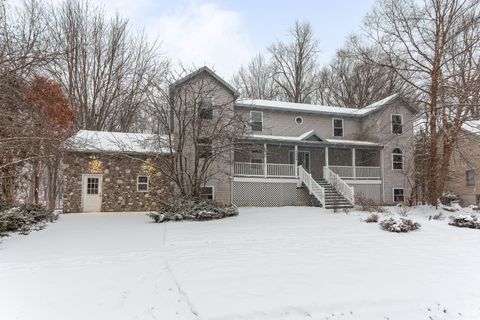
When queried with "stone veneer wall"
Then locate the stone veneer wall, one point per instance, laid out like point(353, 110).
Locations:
point(119, 187)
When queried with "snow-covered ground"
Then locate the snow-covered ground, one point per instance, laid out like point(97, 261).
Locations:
point(267, 263)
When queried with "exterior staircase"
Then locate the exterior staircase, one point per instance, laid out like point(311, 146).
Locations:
point(333, 199)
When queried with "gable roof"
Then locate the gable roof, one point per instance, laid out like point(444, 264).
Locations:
point(319, 109)
point(117, 142)
point(211, 73)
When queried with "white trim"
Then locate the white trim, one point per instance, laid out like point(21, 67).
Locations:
point(148, 182)
point(362, 181)
point(403, 160)
point(252, 121)
point(391, 122)
point(333, 127)
point(269, 180)
point(213, 191)
point(297, 123)
point(393, 194)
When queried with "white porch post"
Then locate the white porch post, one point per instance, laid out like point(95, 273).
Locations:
point(353, 164)
point(326, 157)
point(296, 161)
point(265, 160)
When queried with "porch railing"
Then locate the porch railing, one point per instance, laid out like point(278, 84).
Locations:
point(264, 170)
point(341, 186)
point(356, 172)
point(313, 187)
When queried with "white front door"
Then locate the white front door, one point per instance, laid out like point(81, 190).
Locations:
point(92, 192)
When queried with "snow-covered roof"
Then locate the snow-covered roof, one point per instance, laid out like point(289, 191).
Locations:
point(314, 108)
point(305, 136)
point(117, 142)
point(211, 73)
point(472, 126)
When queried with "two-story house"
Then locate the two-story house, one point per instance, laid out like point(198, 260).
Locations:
point(331, 155)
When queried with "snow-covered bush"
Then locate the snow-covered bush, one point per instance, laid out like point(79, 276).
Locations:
point(373, 218)
point(448, 197)
point(466, 221)
point(24, 218)
point(399, 224)
point(403, 209)
point(176, 209)
point(367, 204)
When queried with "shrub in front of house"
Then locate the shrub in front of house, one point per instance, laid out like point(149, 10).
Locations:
point(24, 218)
point(367, 204)
point(373, 218)
point(471, 221)
point(177, 209)
point(399, 224)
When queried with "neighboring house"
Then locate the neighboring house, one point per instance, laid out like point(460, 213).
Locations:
point(331, 155)
point(464, 174)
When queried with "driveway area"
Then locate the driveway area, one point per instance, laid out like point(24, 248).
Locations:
point(267, 263)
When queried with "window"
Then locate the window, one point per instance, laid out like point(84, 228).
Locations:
point(207, 193)
point(204, 147)
point(299, 120)
point(397, 159)
point(398, 195)
point(470, 176)
point(205, 108)
point(92, 185)
point(397, 123)
point(256, 156)
point(338, 127)
point(256, 120)
point(142, 183)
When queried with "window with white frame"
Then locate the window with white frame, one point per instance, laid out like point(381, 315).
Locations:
point(397, 123)
point(142, 183)
point(207, 192)
point(398, 195)
point(470, 177)
point(256, 120)
point(204, 147)
point(205, 108)
point(397, 159)
point(298, 120)
point(338, 127)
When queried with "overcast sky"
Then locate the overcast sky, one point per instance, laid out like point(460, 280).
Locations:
point(224, 34)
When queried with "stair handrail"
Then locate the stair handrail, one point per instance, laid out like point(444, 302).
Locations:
point(339, 184)
point(313, 187)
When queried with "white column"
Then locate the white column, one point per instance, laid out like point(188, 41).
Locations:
point(353, 164)
point(296, 161)
point(265, 160)
point(326, 157)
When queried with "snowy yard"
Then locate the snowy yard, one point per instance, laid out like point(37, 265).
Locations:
point(267, 263)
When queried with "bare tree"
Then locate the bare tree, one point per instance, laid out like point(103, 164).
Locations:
point(423, 40)
point(255, 81)
point(104, 69)
point(295, 64)
point(198, 130)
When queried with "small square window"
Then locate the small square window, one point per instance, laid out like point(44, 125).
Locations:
point(470, 176)
point(397, 124)
point(142, 183)
point(204, 147)
point(256, 120)
point(398, 195)
point(207, 193)
point(338, 127)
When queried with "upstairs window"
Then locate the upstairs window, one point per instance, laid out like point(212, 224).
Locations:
point(397, 124)
point(204, 147)
point(142, 183)
point(205, 108)
point(256, 120)
point(397, 159)
point(338, 127)
point(207, 193)
point(470, 177)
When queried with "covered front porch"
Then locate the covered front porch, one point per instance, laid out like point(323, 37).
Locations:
point(281, 160)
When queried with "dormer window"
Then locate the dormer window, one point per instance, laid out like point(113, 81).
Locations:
point(338, 127)
point(397, 123)
point(256, 120)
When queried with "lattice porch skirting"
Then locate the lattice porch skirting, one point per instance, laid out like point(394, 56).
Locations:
point(269, 194)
